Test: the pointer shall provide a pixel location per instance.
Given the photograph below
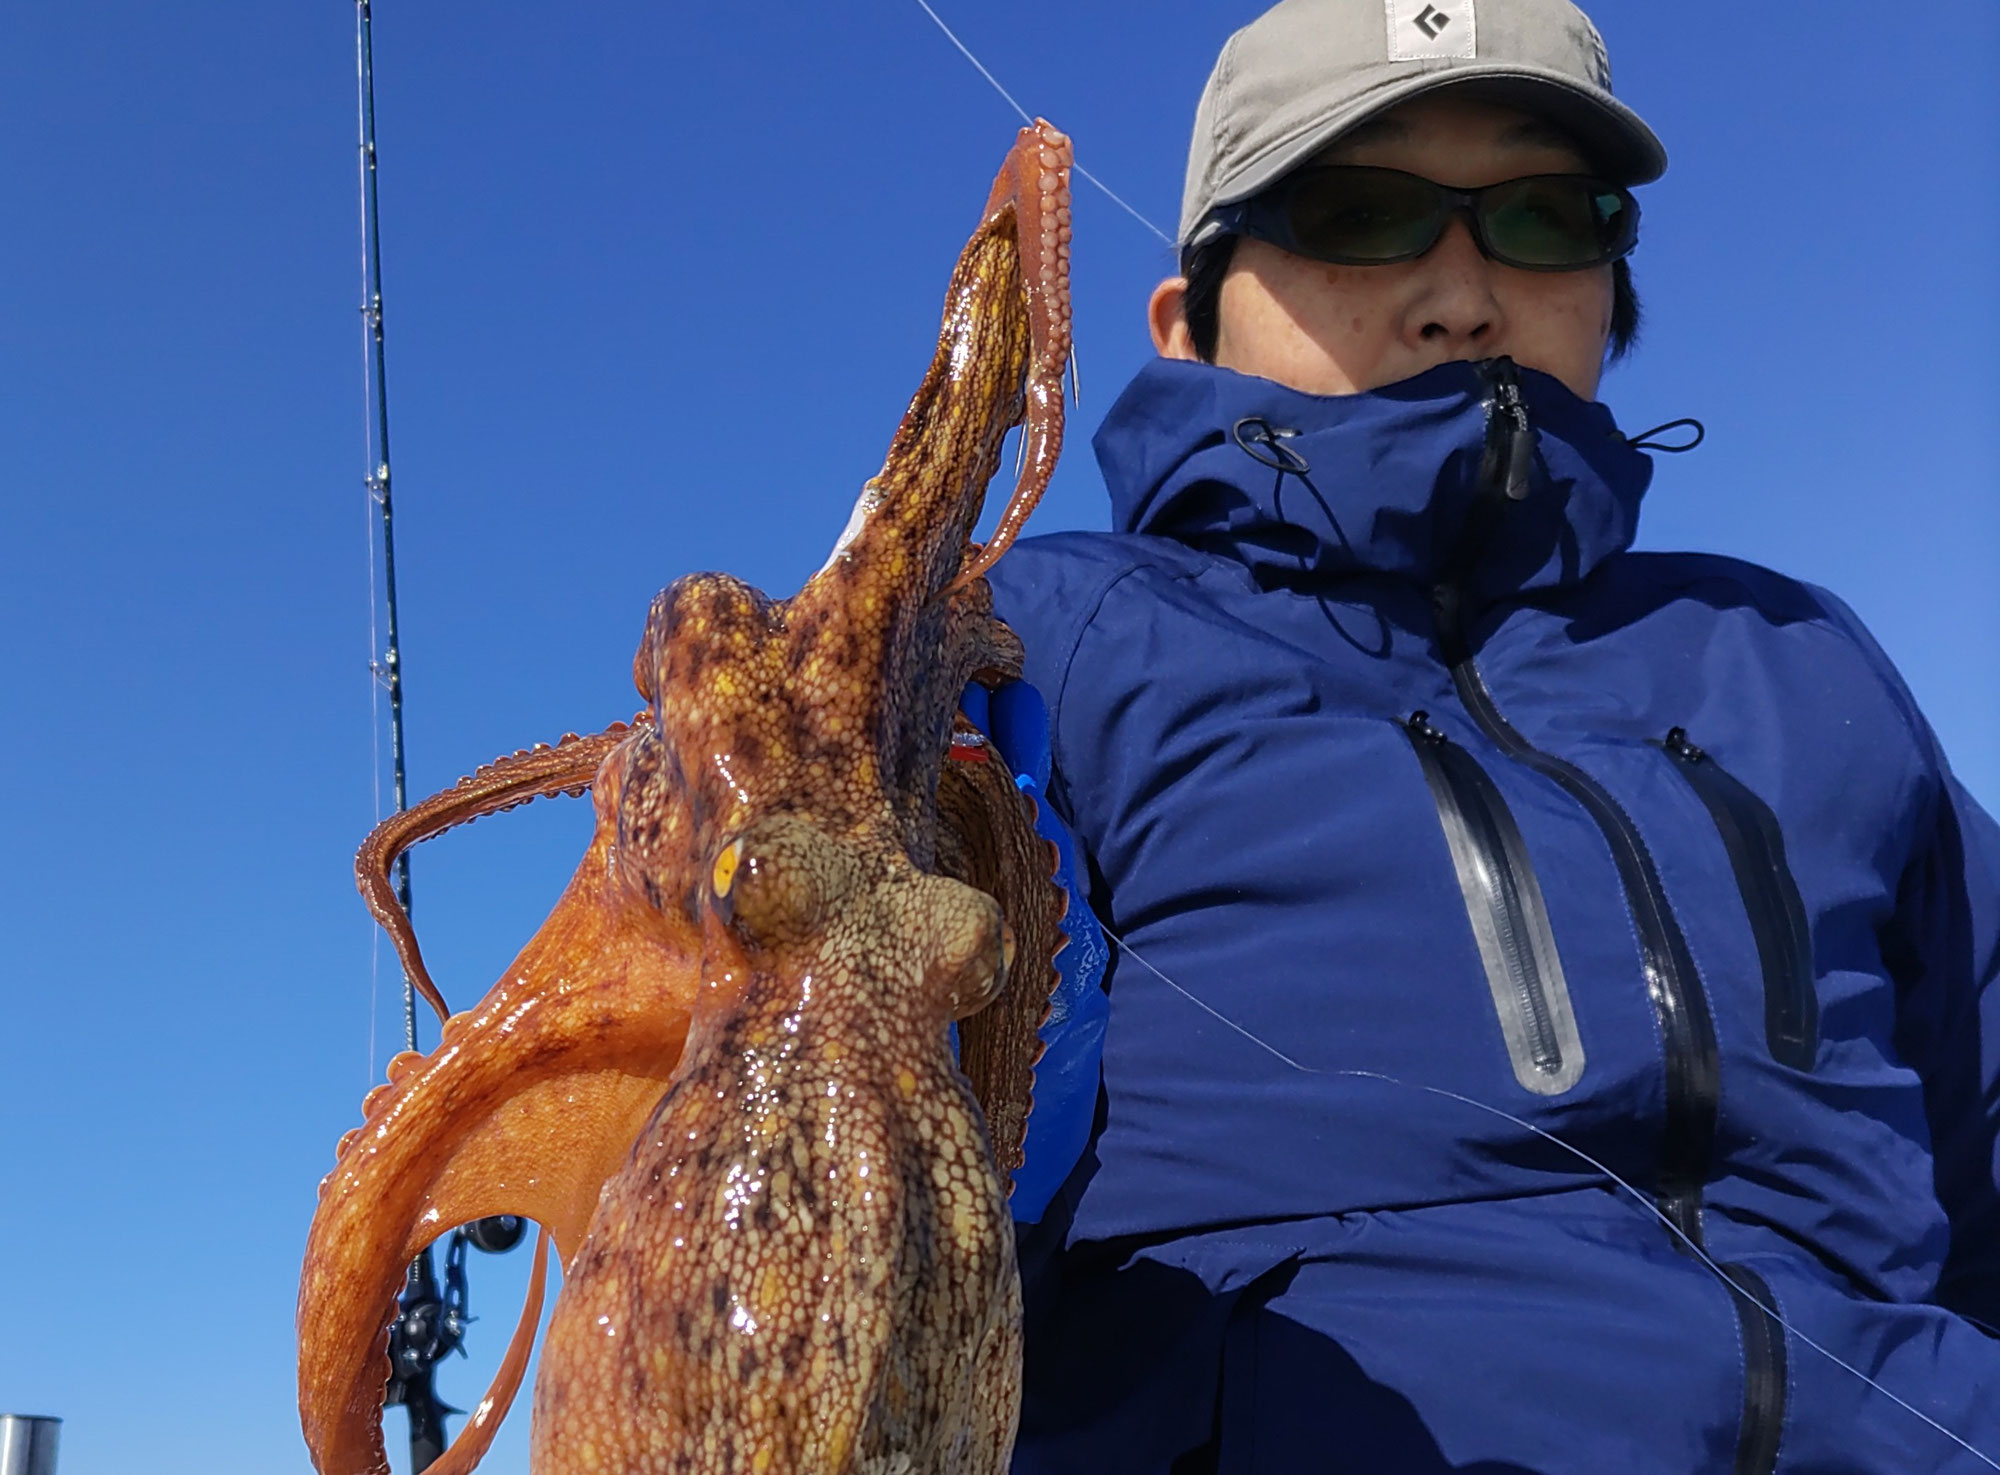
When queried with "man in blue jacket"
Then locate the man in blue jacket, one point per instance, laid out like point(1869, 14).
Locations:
point(1468, 864)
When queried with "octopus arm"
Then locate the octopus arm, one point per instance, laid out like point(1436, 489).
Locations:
point(540, 772)
point(1033, 191)
point(987, 839)
point(528, 1104)
point(470, 1447)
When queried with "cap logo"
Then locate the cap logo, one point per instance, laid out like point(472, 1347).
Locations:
point(1600, 59)
point(1427, 30)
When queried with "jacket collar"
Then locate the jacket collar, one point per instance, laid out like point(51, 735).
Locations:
point(1303, 488)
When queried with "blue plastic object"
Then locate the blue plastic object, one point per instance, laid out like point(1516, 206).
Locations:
point(1016, 718)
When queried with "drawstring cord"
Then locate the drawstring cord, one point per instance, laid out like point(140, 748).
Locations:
point(1264, 443)
point(1644, 441)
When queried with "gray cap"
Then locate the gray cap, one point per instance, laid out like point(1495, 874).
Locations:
point(1306, 71)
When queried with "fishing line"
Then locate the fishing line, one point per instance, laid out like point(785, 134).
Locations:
point(374, 701)
point(1638, 1197)
point(1028, 118)
point(374, 1000)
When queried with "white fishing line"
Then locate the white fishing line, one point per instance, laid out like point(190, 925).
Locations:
point(374, 708)
point(368, 521)
point(1029, 118)
point(1207, 1008)
point(375, 789)
point(374, 980)
point(1641, 1199)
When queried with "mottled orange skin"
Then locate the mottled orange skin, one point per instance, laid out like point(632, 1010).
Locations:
point(801, 1258)
point(808, 1264)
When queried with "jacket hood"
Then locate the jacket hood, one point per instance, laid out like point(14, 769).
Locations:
point(1301, 488)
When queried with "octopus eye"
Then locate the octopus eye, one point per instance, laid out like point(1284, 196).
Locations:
point(772, 882)
point(723, 876)
point(722, 889)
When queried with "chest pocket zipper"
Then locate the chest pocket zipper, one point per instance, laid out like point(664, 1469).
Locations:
point(1510, 921)
point(1756, 849)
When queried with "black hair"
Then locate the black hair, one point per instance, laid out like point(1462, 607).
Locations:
point(1207, 264)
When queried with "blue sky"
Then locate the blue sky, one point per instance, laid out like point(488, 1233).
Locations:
point(660, 280)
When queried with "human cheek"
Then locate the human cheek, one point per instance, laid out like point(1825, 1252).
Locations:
point(1320, 328)
point(1352, 310)
point(1343, 323)
point(1561, 325)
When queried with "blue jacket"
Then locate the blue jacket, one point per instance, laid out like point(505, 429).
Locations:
point(1474, 859)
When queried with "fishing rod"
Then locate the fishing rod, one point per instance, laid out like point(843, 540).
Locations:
point(431, 1321)
point(388, 669)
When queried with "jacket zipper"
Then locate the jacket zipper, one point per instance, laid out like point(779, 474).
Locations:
point(1756, 848)
point(1692, 1074)
point(1687, 1029)
point(1510, 920)
point(1764, 1373)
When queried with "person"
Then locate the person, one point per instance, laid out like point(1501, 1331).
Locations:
point(1466, 869)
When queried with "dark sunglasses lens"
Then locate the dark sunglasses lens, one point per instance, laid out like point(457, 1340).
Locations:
point(1362, 216)
point(1557, 221)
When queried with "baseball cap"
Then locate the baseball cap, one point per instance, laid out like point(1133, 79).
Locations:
point(1306, 71)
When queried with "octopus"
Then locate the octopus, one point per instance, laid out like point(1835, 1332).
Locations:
point(721, 1076)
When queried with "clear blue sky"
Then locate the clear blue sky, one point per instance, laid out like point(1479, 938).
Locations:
point(660, 280)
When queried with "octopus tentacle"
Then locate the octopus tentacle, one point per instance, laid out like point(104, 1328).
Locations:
point(528, 1104)
point(470, 1447)
point(543, 771)
point(1034, 187)
point(988, 840)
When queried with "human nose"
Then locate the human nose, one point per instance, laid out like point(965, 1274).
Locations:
point(1456, 308)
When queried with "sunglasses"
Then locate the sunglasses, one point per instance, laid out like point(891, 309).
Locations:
point(1353, 215)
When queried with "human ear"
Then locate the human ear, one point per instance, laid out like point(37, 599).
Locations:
point(1168, 322)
